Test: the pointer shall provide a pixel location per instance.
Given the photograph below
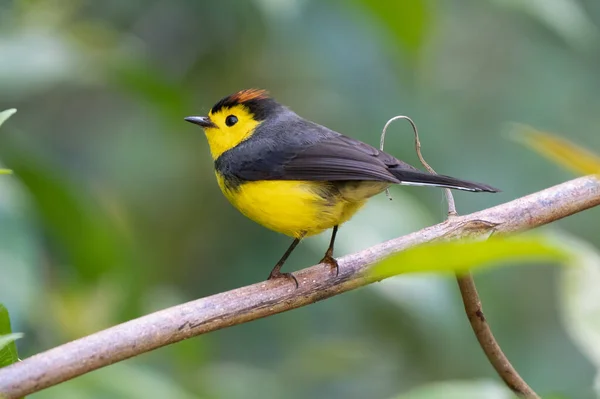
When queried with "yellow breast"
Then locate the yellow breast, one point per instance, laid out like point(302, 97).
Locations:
point(294, 208)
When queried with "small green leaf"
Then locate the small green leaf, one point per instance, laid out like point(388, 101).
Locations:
point(463, 255)
point(4, 115)
point(5, 341)
point(559, 150)
point(8, 349)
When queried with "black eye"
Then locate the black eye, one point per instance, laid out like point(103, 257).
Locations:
point(231, 120)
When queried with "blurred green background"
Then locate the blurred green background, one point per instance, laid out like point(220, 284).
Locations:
point(113, 211)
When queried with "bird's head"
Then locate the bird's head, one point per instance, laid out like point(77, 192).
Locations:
point(235, 118)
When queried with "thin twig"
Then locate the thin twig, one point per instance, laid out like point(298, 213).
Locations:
point(447, 191)
point(487, 341)
point(471, 299)
point(270, 297)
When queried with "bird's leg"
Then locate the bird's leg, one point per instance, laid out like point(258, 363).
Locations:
point(328, 258)
point(276, 273)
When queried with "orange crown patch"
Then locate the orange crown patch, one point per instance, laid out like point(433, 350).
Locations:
point(248, 95)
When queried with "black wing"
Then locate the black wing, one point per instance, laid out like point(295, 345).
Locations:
point(332, 158)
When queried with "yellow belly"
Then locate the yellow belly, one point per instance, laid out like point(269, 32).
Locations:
point(294, 208)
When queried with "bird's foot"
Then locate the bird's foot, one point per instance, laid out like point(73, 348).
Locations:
point(332, 262)
point(275, 274)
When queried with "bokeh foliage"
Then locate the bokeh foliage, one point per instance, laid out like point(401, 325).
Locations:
point(8, 349)
point(113, 211)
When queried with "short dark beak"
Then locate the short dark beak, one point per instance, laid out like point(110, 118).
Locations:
point(203, 121)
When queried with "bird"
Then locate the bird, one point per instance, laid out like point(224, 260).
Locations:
point(297, 177)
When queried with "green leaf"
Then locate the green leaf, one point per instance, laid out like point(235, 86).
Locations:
point(558, 149)
point(7, 354)
point(4, 115)
point(407, 20)
point(8, 349)
point(460, 256)
point(460, 390)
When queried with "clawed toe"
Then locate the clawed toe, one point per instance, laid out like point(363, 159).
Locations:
point(277, 274)
point(332, 262)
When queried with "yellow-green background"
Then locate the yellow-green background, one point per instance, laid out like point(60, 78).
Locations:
point(113, 211)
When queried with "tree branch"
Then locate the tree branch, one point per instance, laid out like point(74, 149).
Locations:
point(270, 297)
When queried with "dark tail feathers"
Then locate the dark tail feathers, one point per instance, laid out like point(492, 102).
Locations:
point(418, 178)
